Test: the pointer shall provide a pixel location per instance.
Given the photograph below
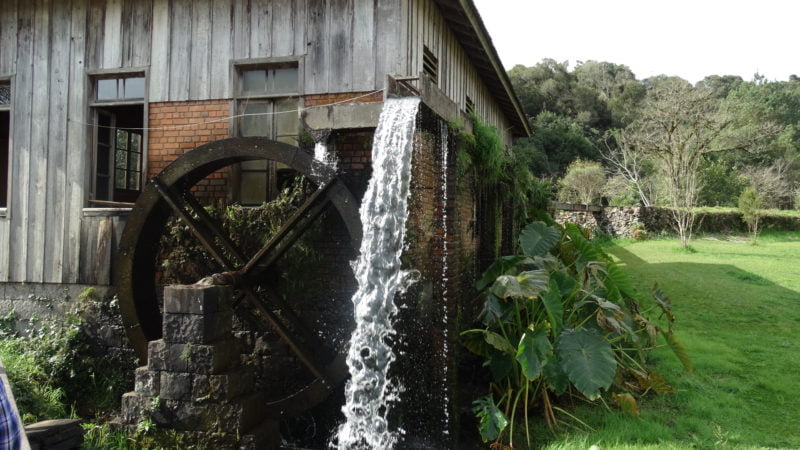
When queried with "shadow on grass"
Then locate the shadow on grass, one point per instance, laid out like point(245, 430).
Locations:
point(740, 330)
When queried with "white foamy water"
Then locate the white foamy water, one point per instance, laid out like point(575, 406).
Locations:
point(369, 392)
point(443, 138)
point(322, 155)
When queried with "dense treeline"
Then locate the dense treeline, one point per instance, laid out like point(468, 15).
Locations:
point(662, 140)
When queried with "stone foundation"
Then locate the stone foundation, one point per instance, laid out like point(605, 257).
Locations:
point(194, 381)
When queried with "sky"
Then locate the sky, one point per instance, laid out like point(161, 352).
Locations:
point(687, 38)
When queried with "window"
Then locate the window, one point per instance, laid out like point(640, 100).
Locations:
point(267, 100)
point(469, 106)
point(118, 111)
point(5, 133)
point(430, 64)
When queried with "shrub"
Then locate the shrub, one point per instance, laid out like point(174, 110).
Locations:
point(54, 370)
point(583, 182)
point(560, 319)
point(750, 204)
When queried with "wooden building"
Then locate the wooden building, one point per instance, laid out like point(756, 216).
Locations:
point(85, 84)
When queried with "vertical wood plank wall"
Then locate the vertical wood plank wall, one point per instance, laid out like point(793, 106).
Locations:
point(457, 76)
point(47, 47)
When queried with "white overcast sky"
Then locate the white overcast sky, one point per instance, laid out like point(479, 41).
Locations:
point(687, 38)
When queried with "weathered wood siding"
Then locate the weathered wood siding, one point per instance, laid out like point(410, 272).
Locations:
point(49, 48)
point(458, 78)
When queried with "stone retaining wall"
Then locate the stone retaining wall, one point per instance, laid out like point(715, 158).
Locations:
point(621, 221)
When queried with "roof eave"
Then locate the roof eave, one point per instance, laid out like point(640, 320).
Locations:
point(485, 59)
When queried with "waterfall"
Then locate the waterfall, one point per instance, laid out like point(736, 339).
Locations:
point(369, 392)
point(443, 138)
point(322, 155)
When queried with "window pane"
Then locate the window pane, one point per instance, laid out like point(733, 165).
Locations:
point(253, 188)
point(119, 179)
point(122, 139)
point(121, 160)
point(134, 87)
point(5, 94)
point(286, 119)
point(133, 181)
point(284, 81)
point(255, 125)
point(254, 81)
point(107, 89)
point(136, 142)
point(134, 161)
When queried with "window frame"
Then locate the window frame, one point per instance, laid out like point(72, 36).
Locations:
point(96, 108)
point(237, 70)
point(5, 210)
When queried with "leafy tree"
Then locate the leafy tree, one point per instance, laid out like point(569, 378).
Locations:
point(720, 86)
point(608, 79)
point(561, 141)
point(750, 204)
point(550, 87)
point(721, 185)
point(584, 182)
point(678, 126)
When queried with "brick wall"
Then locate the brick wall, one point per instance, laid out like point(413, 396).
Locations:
point(327, 99)
point(173, 132)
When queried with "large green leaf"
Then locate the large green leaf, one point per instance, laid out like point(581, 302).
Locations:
point(588, 360)
point(679, 350)
point(555, 376)
point(551, 300)
point(500, 365)
point(537, 239)
point(494, 310)
point(619, 279)
point(475, 342)
point(506, 286)
point(586, 250)
point(532, 352)
point(566, 283)
point(491, 420)
point(499, 342)
point(533, 282)
point(505, 265)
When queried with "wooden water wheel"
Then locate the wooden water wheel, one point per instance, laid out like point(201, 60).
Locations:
point(170, 194)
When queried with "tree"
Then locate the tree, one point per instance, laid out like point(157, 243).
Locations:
point(750, 204)
point(562, 141)
point(720, 86)
point(630, 162)
point(678, 126)
point(583, 182)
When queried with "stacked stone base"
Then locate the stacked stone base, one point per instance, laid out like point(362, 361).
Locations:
point(194, 382)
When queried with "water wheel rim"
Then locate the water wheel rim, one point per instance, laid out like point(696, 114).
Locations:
point(135, 268)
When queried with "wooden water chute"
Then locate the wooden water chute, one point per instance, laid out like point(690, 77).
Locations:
point(170, 194)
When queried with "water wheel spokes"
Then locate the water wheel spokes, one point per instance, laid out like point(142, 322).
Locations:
point(170, 193)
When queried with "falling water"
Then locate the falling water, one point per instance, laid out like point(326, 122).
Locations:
point(322, 155)
point(443, 138)
point(370, 393)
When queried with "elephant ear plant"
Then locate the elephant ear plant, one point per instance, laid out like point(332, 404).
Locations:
point(561, 320)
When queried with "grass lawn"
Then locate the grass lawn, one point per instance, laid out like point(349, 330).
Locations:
point(738, 315)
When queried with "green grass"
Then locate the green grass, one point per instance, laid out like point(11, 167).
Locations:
point(766, 212)
point(738, 314)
